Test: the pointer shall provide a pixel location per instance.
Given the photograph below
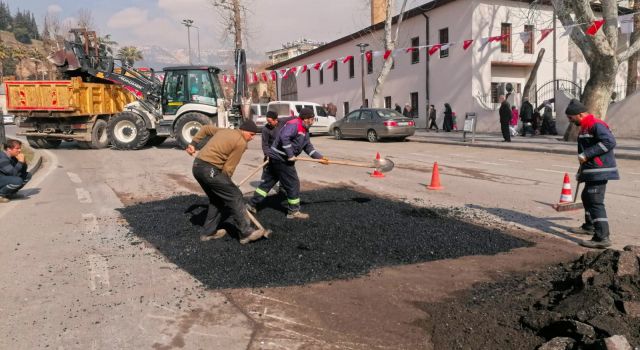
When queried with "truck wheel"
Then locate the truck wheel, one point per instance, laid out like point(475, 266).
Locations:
point(188, 126)
point(32, 141)
point(127, 131)
point(99, 137)
point(41, 142)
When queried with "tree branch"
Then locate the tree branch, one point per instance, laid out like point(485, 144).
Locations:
point(633, 48)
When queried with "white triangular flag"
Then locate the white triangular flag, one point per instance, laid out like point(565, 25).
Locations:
point(567, 31)
point(625, 23)
point(525, 37)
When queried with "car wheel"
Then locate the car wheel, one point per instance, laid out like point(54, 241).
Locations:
point(372, 136)
point(99, 137)
point(337, 133)
point(127, 131)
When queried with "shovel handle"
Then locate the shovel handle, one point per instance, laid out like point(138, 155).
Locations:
point(253, 172)
point(340, 162)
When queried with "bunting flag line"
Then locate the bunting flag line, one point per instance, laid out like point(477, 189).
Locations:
point(544, 33)
point(368, 56)
point(593, 29)
point(467, 44)
point(625, 22)
point(387, 54)
point(347, 59)
point(434, 49)
point(332, 64)
point(525, 37)
point(264, 76)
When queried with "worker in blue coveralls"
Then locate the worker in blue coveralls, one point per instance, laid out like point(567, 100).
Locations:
point(289, 143)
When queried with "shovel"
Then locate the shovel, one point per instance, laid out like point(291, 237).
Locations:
point(571, 206)
point(383, 165)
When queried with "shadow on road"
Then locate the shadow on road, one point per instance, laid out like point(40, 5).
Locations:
point(349, 234)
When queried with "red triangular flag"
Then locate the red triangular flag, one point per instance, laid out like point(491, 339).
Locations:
point(317, 66)
point(274, 75)
point(347, 59)
point(225, 79)
point(264, 76)
point(304, 68)
point(387, 54)
point(255, 77)
point(233, 79)
point(593, 29)
point(410, 49)
point(332, 63)
point(434, 49)
point(544, 33)
point(467, 44)
point(368, 55)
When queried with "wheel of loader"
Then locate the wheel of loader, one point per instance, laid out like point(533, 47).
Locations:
point(188, 126)
point(41, 142)
point(127, 131)
point(99, 137)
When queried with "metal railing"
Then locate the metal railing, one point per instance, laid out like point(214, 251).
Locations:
point(546, 90)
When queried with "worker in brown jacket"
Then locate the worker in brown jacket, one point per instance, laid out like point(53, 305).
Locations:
point(213, 168)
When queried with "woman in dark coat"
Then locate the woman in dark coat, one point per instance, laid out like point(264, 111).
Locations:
point(447, 125)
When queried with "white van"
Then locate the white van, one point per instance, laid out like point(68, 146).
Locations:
point(323, 121)
point(259, 111)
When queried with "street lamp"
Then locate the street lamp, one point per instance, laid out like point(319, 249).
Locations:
point(198, 31)
point(362, 47)
point(188, 23)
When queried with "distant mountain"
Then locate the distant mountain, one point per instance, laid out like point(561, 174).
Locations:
point(158, 57)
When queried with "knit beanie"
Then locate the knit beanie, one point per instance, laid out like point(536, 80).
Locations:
point(575, 107)
point(306, 113)
point(249, 126)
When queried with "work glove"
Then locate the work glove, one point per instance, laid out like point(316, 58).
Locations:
point(581, 158)
point(324, 160)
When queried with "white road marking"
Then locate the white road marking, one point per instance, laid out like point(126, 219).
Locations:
point(512, 161)
point(74, 177)
point(83, 195)
point(481, 162)
point(552, 171)
point(565, 166)
point(90, 223)
point(634, 173)
point(98, 273)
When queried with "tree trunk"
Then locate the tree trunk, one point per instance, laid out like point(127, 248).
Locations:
point(597, 93)
point(532, 76)
point(237, 20)
point(632, 69)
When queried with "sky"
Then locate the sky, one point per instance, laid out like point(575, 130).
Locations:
point(270, 23)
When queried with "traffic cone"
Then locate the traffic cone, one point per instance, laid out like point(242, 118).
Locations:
point(376, 172)
point(435, 179)
point(565, 195)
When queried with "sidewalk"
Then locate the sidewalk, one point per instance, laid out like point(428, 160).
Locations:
point(626, 148)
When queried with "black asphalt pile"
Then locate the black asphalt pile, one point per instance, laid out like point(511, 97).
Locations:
point(349, 233)
point(592, 303)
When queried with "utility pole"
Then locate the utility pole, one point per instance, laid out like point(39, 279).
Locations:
point(555, 61)
point(362, 47)
point(188, 23)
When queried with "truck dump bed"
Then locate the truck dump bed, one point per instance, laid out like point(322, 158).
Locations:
point(65, 98)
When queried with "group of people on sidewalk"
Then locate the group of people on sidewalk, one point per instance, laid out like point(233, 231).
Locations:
point(449, 122)
point(533, 122)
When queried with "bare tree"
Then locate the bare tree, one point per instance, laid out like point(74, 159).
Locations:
point(599, 50)
point(85, 19)
point(233, 14)
point(390, 41)
point(632, 68)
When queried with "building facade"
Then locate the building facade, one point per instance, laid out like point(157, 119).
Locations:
point(470, 80)
point(290, 50)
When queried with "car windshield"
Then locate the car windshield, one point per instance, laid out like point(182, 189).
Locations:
point(321, 111)
point(388, 114)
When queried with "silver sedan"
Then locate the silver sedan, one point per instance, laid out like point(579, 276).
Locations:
point(374, 124)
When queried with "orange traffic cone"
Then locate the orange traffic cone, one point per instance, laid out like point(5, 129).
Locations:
point(565, 195)
point(376, 172)
point(435, 179)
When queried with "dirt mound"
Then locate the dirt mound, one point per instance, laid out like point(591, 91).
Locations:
point(580, 305)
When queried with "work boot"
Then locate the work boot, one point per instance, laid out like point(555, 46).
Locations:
point(596, 244)
point(252, 209)
point(4, 199)
point(16, 196)
point(253, 236)
point(583, 230)
point(297, 215)
point(217, 235)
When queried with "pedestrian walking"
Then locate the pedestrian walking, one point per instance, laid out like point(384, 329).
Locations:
point(505, 118)
point(597, 167)
point(513, 124)
point(447, 124)
point(432, 118)
point(13, 171)
point(407, 111)
point(526, 115)
point(292, 139)
point(213, 168)
point(398, 108)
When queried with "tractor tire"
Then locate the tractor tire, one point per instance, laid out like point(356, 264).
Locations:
point(84, 144)
point(127, 131)
point(32, 141)
point(188, 126)
point(99, 137)
point(44, 143)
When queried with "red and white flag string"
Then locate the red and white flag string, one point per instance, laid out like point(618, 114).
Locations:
point(625, 22)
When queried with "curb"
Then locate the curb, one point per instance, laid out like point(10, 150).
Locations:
point(37, 165)
point(520, 148)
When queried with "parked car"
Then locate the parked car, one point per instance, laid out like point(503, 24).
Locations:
point(323, 121)
point(374, 124)
point(259, 111)
point(9, 119)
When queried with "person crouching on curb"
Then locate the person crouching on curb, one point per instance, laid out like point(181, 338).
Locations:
point(290, 142)
point(597, 167)
point(213, 168)
point(13, 171)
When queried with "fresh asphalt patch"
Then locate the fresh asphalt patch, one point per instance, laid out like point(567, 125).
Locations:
point(349, 234)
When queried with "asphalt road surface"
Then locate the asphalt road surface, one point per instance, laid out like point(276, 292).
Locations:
point(73, 277)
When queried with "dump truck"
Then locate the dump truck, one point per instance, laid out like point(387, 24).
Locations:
point(98, 104)
point(50, 112)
